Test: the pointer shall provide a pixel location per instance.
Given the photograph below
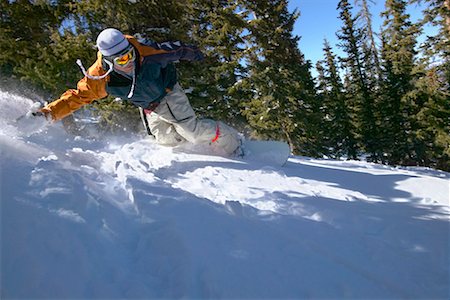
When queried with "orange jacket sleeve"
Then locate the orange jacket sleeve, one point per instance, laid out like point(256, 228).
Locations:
point(87, 91)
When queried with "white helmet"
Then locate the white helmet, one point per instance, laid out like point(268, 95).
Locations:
point(111, 42)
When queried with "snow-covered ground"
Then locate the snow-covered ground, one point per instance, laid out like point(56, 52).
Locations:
point(126, 218)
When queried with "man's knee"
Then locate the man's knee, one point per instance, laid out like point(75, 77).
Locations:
point(227, 138)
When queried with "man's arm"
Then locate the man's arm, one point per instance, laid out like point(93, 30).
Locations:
point(87, 91)
point(167, 52)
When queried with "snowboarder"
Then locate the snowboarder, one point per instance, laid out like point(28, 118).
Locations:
point(143, 72)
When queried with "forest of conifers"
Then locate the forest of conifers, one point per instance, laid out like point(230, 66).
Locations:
point(385, 99)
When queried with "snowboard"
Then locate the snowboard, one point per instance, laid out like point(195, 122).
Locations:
point(273, 153)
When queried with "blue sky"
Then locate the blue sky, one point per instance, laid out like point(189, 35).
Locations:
point(319, 20)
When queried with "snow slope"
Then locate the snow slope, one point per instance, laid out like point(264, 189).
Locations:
point(126, 218)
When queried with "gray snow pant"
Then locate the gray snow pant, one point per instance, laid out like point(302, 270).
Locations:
point(174, 121)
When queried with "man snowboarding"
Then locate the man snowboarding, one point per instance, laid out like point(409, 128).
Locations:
point(143, 73)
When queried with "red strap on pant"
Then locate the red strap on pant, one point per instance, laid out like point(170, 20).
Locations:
point(217, 133)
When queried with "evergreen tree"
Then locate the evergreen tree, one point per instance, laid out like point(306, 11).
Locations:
point(359, 85)
point(370, 46)
point(217, 27)
point(399, 107)
point(26, 31)
point(437, 47)
point(433, 87)
point(433, 121)
point(282, 101)
point(157, 20)
point(338, 121)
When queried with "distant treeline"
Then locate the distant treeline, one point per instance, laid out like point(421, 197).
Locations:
point(386, 99)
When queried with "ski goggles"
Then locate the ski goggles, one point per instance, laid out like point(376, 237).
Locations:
point(126, 58)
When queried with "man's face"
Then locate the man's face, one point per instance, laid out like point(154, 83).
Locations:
point(125, 63)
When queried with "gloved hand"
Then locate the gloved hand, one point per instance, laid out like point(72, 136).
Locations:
point(36, 111)
point(35, 120)
point(40, 113)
